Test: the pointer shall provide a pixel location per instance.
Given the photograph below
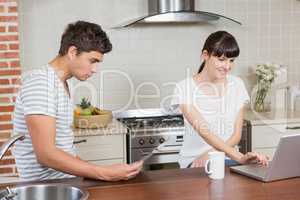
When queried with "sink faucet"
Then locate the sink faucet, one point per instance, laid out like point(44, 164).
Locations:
point(7, 194)
point(10, 142)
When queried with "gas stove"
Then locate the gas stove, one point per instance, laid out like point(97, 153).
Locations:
point(148, 128)
point(153, 122)
point(153, 125)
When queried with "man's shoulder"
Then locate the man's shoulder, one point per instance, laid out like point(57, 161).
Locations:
point(43, 74)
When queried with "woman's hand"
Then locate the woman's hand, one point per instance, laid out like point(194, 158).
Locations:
point(200, 161)
point(118, 172)
point(253, 157)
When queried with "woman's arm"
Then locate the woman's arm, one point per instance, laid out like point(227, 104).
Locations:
point(232, 141)
point(194, 117)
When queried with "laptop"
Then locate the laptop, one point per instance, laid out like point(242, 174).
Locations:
point(285, 163)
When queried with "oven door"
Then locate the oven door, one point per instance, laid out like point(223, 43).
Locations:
point(167, 154)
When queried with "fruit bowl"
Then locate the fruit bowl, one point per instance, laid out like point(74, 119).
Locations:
point(88, 116)
point(93, 121)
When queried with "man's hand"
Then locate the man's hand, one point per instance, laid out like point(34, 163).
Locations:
point(253, 157)
point(200, 161)
point(118, 172)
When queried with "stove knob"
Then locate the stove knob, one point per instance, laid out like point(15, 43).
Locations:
point(141, 141)
point(162, 140)
point(151, 141)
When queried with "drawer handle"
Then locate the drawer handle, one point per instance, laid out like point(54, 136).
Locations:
point(293, 127)
point(79, 141)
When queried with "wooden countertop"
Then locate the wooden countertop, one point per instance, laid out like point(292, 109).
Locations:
point(187, 184)
point(113, 128)
point(192, 184)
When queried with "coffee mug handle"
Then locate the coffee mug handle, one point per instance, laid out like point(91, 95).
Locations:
point(206, 167)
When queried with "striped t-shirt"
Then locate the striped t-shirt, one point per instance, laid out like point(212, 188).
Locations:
point(42, 93)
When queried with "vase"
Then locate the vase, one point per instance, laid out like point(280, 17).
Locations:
point(259, 106)
point(259, 103)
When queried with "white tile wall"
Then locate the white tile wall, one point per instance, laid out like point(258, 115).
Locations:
point(160, 54)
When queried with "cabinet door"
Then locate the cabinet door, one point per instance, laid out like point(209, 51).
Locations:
point(293, 128)
point(101, 147)
point(268, 135)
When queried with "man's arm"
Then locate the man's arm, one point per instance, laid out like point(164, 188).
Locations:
point(43, 133)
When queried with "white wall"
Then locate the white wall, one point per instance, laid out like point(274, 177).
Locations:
point(159, 54)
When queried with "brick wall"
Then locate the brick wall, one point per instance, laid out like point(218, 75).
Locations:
point(10, 71)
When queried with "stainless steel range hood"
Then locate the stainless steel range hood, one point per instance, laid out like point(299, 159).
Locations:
point(174, 11)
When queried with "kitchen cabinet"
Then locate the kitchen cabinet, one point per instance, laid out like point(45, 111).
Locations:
point(265, 137)
point(102, 149)
point(102, 146)
point(268, 127)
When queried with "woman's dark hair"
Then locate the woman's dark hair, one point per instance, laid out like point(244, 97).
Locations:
point(220, 43)
point(85, 36)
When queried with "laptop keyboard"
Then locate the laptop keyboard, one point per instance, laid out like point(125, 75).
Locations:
point(255, 170)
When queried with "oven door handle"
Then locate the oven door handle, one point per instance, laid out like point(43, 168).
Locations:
point(157, 152)
point(145, 153)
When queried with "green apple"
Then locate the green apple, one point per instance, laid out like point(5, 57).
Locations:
point(86, 112)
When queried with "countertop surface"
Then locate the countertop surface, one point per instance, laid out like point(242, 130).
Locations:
point(273, 117)
point(113, 128)
point(278, 116)
point(185, 184)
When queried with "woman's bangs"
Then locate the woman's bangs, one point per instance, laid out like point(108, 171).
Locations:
point(228, 47)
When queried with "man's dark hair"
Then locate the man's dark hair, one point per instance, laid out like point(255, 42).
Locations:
point(86, 37)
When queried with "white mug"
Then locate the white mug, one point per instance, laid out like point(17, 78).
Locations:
point(215, 165)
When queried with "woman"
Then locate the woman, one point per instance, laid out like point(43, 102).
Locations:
point(212, 103)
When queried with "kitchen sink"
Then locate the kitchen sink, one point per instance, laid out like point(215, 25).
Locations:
point(44, 192)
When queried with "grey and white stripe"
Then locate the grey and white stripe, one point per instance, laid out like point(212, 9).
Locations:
point(42, 93)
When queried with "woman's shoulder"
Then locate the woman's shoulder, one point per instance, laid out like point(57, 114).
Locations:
point(235, 80)
point(188, 81)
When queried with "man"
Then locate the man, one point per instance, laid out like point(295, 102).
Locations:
point(43, 111)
